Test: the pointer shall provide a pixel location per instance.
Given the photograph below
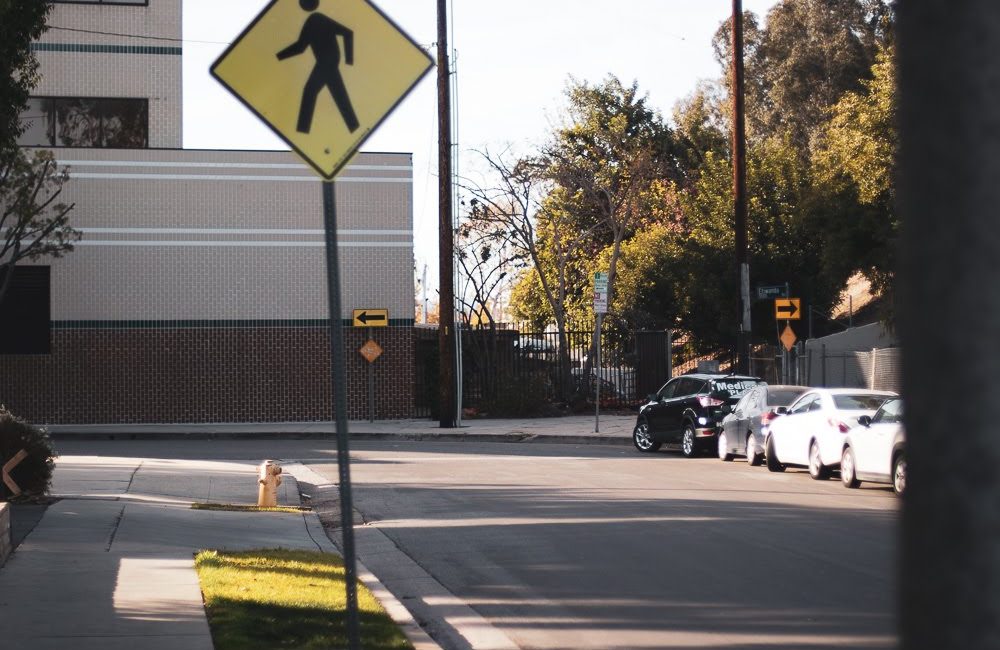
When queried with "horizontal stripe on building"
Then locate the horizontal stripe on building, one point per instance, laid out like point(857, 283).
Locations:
point(101, 48)
point(217, 165)
point(241, 231)
point(226, 177)
point(213, 324)
point(242, 243)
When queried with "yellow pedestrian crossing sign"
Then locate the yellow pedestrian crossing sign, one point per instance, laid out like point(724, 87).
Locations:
point(323, 74)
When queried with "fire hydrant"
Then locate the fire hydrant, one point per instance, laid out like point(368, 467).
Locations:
point(269, 480)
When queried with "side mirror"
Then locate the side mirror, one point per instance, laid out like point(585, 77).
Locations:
point(726, 408)
point(865, 420)
point(781, 410)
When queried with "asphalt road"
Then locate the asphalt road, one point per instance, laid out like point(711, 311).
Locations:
point(566, 547)
point(601, 547)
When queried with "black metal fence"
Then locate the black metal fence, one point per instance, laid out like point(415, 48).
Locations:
point(522, 372)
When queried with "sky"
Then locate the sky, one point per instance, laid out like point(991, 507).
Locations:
point(513, 59)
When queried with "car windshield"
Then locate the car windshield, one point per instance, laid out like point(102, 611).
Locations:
point(732, 388)
point(858, 402)
point(782, 397)
point(890, 413)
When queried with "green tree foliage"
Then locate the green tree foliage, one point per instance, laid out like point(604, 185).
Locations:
point(854, 168)
point(783, 247)
point(21, 22)
point(806, 57)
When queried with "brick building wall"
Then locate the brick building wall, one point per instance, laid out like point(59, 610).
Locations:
point(160, 374)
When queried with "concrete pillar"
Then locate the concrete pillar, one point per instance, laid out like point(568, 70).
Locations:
point(949, 321)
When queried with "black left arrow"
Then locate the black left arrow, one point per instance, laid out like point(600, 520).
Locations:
point(364, 317)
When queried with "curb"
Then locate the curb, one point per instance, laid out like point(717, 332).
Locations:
point(396, 610)
point(597, 439)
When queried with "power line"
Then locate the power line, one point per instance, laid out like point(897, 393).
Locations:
point(142, 36)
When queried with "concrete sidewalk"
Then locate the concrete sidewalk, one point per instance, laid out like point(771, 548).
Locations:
point(110, 566)
point(574, 429)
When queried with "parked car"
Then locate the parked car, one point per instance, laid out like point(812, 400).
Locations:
point(743, 430)
point(686, 412)
point(812, 432)
point(874, 450)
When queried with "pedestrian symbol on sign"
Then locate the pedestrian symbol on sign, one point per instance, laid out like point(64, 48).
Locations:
point(319, 33)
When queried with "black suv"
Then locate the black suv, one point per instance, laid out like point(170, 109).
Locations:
point(687, 412)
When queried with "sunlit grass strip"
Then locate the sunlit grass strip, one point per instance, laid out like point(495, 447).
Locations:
point(275, 598)
point(231, 507)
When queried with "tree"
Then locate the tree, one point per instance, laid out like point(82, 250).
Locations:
point(854, 165)
point(21, 22)
point(32, 223)
point(611, 162)
point(783, 246)
point(809, 54)
point(515, 211)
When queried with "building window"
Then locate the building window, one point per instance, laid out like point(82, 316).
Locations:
point(25, 315)
point(86, 122)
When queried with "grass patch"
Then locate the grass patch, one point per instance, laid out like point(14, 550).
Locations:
point(275, 598)
point(231, 507)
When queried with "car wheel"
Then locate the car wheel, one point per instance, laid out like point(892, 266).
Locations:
point(753, 458)
point(817, 469)
point(899, 474)
point(687, 441)
point(642, 439)
point(848, 475)
point(724, 454)
point(772, 459)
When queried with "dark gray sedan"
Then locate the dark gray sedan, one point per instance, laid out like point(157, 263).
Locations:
point(742, 431)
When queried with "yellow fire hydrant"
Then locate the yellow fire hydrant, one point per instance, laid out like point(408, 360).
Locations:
point(269, 480)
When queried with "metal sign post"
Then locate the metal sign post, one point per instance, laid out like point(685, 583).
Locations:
point(371, 351)
point(340, 411)
point(600, 308)
point(267, 69)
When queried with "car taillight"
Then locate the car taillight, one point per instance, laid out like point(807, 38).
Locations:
point(707, 401)
point(768, 417)
point(843, 428)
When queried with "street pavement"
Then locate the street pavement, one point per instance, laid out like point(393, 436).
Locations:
point(110, 565)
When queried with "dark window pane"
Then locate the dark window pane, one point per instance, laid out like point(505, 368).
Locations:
point(39, 123)
point(24, 313)
point(124, 123)
point(79, 123)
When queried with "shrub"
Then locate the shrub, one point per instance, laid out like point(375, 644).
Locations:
point(33, 474)
point(520, 397)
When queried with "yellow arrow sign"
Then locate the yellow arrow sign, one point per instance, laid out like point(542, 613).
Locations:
point(7, 467)
point(323, 74)
point(787, 309)
point(371, 318)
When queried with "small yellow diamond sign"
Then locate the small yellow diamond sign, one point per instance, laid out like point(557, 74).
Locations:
point(323, 74)
point(371, 351)
point(788, 338)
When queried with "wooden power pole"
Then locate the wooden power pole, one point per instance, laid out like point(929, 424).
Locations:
point(446, 240)
point(740, 192)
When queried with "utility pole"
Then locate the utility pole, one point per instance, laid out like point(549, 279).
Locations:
point(740, 192)
point(949, 107)
point(446, 239)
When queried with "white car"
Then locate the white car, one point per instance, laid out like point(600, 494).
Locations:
point(874, 451)
point(811, 431)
